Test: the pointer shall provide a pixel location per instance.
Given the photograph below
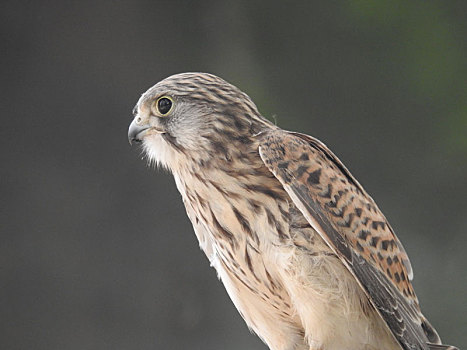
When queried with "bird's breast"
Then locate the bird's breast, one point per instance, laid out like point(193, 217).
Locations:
point(243, 227)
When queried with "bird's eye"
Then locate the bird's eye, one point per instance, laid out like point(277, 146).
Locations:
point(164, 105)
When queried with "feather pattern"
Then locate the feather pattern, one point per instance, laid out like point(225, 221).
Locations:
point(347, 218)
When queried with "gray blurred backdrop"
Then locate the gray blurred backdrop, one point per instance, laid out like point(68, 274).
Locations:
point(96, 251)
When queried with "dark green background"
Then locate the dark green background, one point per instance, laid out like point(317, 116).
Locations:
point(96, 251)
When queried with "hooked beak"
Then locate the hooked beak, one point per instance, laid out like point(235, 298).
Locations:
point(136, 131)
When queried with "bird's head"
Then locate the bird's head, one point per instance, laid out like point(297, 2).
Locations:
point(193, 116)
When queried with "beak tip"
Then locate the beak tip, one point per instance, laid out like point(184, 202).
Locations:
point(133, 131)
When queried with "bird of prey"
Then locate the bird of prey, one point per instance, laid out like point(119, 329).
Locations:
point(304, 252)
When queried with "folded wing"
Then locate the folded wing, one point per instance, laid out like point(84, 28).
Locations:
point(347, 218)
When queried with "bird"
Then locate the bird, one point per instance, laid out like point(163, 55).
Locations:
point(304, 252)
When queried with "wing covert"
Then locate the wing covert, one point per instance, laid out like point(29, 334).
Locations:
point(347, 218)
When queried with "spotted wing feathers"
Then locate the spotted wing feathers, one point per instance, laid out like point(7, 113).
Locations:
point(347, 218)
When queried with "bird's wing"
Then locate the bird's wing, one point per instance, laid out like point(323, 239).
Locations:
point(347, 218)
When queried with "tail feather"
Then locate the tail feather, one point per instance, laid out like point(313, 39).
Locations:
point(441, 347)
point(433, 337)
point(430, 332)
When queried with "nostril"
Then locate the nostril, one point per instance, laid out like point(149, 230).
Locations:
point(138, 120)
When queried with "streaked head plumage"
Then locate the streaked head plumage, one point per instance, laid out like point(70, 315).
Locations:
point(187, 114)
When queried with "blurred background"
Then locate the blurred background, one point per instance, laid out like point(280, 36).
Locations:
point(96, 250)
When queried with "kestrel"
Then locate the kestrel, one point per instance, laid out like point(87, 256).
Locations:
point(304, 252)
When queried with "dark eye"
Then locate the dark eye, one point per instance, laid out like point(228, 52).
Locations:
point(164, 105)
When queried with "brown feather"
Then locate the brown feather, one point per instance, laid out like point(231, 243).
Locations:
point(338, 207)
